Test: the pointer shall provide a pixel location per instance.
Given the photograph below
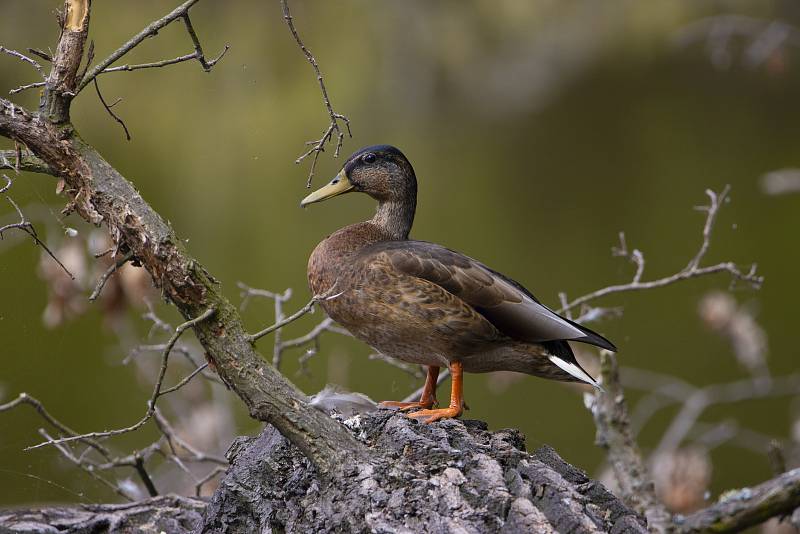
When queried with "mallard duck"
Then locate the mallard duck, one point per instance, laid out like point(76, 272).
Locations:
point(425, 304)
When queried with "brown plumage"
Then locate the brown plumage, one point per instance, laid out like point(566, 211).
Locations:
point(423, 303)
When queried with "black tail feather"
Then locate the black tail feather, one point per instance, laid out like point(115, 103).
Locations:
point(592, 337)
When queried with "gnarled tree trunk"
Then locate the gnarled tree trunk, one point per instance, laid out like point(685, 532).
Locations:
point(452, 476)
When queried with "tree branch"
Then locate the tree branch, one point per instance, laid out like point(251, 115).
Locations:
point(157, 392)
point(743, 508)
point(333, 127)
point(60, 87)
point(150, 30)
point(613, 434)
point(22, 57)
point(101, 195)
point(692, 269)
point(28, 162)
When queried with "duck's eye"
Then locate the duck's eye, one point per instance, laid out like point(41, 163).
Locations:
point(369, 158)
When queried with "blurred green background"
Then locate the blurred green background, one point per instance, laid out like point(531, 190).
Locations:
point(538, 131)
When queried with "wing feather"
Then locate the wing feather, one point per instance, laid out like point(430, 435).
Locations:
point(504, 302)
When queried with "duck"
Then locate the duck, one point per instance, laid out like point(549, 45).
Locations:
point(425, 304)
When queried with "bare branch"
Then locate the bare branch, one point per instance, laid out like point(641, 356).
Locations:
point(198, 49)
point(60, 88)
point(26, 226)
point(153, 65)
point(186, 379)
point(610, 414)
point(333, 128)
point(183, 351)
point(106, 275)
point(24, 398)
point(198, 489)
point(697, 402)
point(26, 87)
point(151, 403)
point(27, 162)
point(150, 30)
point(747, 507)
point(87, 467)
point(97, 192)
point(110, 112)
point(26, 59)
point(158, 323)
point(176, 441)
point(308, 308)
point(692, 269)
point(41, 54)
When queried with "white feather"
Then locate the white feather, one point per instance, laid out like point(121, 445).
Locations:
point(575, 371)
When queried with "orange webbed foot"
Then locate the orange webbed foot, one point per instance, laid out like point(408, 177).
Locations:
point(405, 406)
point(429, 416)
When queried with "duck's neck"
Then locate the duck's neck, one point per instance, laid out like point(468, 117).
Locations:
point(395, 216)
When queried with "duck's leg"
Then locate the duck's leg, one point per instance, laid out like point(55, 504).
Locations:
point(456, 399)
point(428, 397)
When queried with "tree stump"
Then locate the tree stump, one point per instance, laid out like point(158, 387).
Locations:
point(451, 476)
point(448, 477)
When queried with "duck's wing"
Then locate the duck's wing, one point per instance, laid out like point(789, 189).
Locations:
point(510, 307)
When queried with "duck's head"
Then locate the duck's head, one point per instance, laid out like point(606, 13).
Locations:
point(381, 171)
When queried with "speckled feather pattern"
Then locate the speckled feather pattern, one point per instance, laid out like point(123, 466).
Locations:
point(418, 318)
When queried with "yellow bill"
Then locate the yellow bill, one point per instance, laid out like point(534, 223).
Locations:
point(337, 186)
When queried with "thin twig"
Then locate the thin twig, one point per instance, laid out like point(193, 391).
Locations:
point(29, 162)
point(149, 31)
point(144, 475)
point(182, 350)
point(26, 59)
point(334, 127)
point(26, 87)
point(198, 49)
point(186, 379)
point(151, 403)
point(692, 269)
point(27, 227)
point(277, 351)
point(158, 323)
point(174, 439)
point(701, 399)
point(153, 65)
point(101, 283)
point(110, 112)
point(308, 308)
point(41, 54)
point(87, 467)
point(198, 488)
point(24, 398)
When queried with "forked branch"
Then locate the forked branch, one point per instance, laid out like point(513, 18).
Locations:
point(692, 270)
point(334, 127)
point(157, 391)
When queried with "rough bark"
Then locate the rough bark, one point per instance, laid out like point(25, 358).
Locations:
point(169, 513)
point(610, 414)
point(746, 507)
point(100, 194)
point(453, 476)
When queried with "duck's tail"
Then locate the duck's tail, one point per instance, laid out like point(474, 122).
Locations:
point(560, 354)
